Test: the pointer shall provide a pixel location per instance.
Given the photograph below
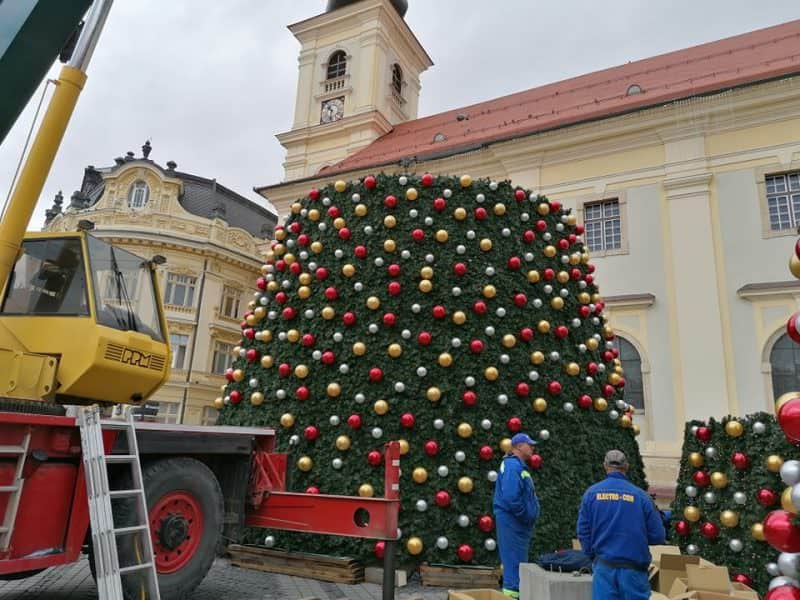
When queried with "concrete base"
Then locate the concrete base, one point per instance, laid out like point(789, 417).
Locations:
point(375, 575)
point(537, 584)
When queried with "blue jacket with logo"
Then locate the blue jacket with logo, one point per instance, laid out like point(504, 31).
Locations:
point(514, 492)
point(618, 521)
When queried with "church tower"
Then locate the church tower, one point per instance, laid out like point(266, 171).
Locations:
point(359, 70)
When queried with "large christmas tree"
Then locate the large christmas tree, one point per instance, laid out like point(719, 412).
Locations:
point(448, 314)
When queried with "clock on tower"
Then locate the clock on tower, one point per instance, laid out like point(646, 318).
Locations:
point(332, 110)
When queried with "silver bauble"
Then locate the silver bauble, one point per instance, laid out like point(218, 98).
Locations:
point(334, 420)
point(736, 545)
point(569, 407)
point(421, 505)
point(490, 544)
point(544, 435)
point(491, 476)
point(711, 453)
point(759, 428)
point(691, 491)
point(460, 456)
point(740, 498)
point(796, 495)
point(710, 498)
point(443, 471)
point(613, 415)
point(377, 433)
point(772, 569)
point(441, 543)
point(336, 463)
point(789, 563)
point(463, 521)
point(438, 424)
point(692, 549)
point(294, 440)
point(790, 472)
point(486, 424)
point(422, 371)
point(781, 581)
point(269, 541)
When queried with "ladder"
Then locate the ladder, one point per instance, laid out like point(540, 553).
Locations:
point(100, 495)
point(14, 489)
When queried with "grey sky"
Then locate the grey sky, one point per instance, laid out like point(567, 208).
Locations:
point(211, 83)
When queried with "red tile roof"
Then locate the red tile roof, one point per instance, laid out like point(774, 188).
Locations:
point(744, 59)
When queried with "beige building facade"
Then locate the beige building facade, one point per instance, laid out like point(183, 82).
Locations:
point(212, 239)
point(687, 181)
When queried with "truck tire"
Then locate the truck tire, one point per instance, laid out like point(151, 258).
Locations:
point(185, 507)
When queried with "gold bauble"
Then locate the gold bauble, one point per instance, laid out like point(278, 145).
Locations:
point(273, 286)
point(596, 298)
point(296, 208)
point(359, 349)
point(734, 428)
point(691, 513)
point(489, 291)
point(794, 265)
point(313, 214)
point(361, 210)
point(459, 214)
point(404, 447)
point(251, 320)
point(584, 298)
point(574, 258)
point(365, 490)
point(301, 371)
point(539, 405)
point(562, 277)
point(340, 186)
point(774, 463)
point(572, 220)
point(267, 361)
point(786, 501)
point(316, 248)
point(696, 459)
point(305, 464)
point(465, 180)
point(389, 221)
point(434, 394)
point(465, 485)
point(328, 313)
point(219, 403)
point(238, 374)
point(412, 194)
point(293, 336)
point(381, 407)
point(505, 445)
point(426, 272)
point(543, 326)
point(533, 276)
point(256, 398)
point(491, 373)
point(625, 421)
point(557, 303)
point(549, 251)
point(339, 222)
point(719, 480)
point(729, 518)
point(600, 404)
point(537, 357)
point(348, 270)
point(394, 350)
point(442, 236)
point(636, 430)
point(236, 350)
point(287, 420)
point(486, 244)
point(289, 258)
point(614, 378)
point(757, 531)
point(389, 245)
point(333, 390)
point(414, 546)
point(499, 209)
point(425, 286)
point(373, 303)
point(252, 305)
point(592, 344)
point(543, 208)
point(509, 341)
point(304, 292)
point(445, 359)
point(419, 475)
point(343, 443)
point(464, 430)
point(279, 249)
point(572, 368)
point(459, 317)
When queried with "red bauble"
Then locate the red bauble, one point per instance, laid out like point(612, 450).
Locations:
point(554, 388)
point(296, 268)
point(563, 244)
point(579, 229)
point(426, 180)
point(311, 433)
point(334, 212)
point(288, 313)
point(608, 390)
point(514, 263)
point(701, 478)
point(424, 338)
point(541, 225)
point(235, 396)
point(520, 300)
point(526, 334)
point(460, 269)
point(393, 270)
point(379, 549)
point(476, 346)
point(442, 498)
point(584, 311)
point(710, 531)
point(296, 227)
point(374, 458)
point(418, 235)
point(548, 274)
point(555, 207)
point(743, 579)
point(302, 393)
point(370, 182)
point(360, 251)
point(229, 374)
point(312, 489)
point(480, 213)
point(585, 401)
point(766, 498)
point(389, 319)
point(390, 202)
point(280, 265)
point(252, 355)
point(250, 333)
point(608, 356)
point(562, 331)
point(309, 340)
point(575, 274)
point(375, 374)
point(522, 389)
point(284, 369)
point(793, 327)
point(784, 592)
point(469, 398)
point(682, 528)
point(431, 448)
point(313, 194)
point(344, 233)
point(486, 453)
point(485, 523)
point(439, 312)
point(740, 460)
point(349, 319)
point(703, 434)
point(321, 273)
point(588, 278)
point(514, 424)
point(519, 195)
point(439, 204)
point(465, 552)
point(479, 307)
point(780, 533)
point(528, 237)
point(535, 462)
point(354, 421)
point(407, 420)
point(328, 357)
point(789, 419)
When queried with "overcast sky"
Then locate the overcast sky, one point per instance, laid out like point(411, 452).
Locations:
point(210, 83)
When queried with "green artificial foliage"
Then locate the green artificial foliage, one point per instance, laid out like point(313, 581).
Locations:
point(755, 555)
point(532, 268)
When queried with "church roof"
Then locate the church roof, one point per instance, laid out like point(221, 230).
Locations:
point(758, 56)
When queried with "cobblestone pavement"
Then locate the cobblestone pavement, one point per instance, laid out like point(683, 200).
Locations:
point(74, 582)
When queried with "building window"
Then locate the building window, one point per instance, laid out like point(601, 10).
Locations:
point(397, 79)
point(603, 225)
point(230, 302)
point(210, 415)
point(138, 195)
point(337, 65)
point(223, 357)
point(784, 360)
point(168, 412)
point(178, 343)
point(633, 392)
point(783, 200)
point(179, 290)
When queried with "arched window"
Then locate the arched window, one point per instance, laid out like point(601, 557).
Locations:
point(633, 392)
point(337, 65)
point(784, 360)
point(397, 79)
point(138, 195)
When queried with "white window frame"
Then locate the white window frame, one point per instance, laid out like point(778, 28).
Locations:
point(138, 195)
point(168, 412)
point(783, 201)
point(209, 416)
point(176, 281)
point(235, 296)
point(608, 221)
point(217, 352)
point(179, 350)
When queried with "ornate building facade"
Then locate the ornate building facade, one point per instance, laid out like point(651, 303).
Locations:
point(212, 239)
point(684, 169)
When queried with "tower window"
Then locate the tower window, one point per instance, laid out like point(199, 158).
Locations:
point(397, 79)
point(337, 65)
point(138, 195)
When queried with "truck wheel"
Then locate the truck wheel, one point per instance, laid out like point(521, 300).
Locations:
point(185, 507)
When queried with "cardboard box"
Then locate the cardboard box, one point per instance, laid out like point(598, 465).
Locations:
point(657, 596)
point(656, 552)
point(711, 578)
point(576, 544)
point(475, 595)
point(672, 567)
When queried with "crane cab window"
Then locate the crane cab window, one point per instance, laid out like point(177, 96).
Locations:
point(48, 279)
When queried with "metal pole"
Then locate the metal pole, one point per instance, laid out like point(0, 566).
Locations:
point(389, 551)
point(90, 35)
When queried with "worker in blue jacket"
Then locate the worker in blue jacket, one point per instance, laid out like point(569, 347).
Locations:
point(616, 524)
point(516, 509)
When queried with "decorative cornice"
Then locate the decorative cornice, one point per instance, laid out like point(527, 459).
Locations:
point(754, 291)
point(645, 300)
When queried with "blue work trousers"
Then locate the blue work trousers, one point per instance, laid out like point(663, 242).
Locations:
point(609, 583)
point(513, 541)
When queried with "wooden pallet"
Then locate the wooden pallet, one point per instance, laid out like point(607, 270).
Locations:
point(313, 566)
point(459, 577)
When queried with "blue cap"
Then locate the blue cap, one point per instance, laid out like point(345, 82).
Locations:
point(522, 438)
